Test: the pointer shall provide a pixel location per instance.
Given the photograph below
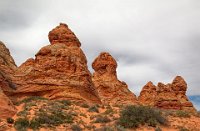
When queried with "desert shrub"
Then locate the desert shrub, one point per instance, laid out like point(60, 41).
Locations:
point(120, 128)
point(93, 109)
point(76, 128)
point(132, 116)
point(158, 129)
point(84, 105)
point(102, 119)
point(23, 113)
point(181, 113)
point(84, 115)
point(109, 111)
point(106, 128)
point(10, 120)
point(183, 129)
point(65, 102)
point(55, 118)
point(34, 124)
point(21, 124)
point(32, 98)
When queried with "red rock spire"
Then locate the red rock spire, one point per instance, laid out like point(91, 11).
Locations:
point(62, 34)
point(109, 88)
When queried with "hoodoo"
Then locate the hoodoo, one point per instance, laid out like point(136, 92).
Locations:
point(169, 96)
point(109, 88)
point(59, 70)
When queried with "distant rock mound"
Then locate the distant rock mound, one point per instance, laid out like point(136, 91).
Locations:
point(59, 70)
point(109, 88)
point(170, 96)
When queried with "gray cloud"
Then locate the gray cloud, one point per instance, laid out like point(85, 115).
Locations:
point(151, 40)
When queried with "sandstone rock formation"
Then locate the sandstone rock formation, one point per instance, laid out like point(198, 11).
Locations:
point(170, 96)
point(59, 71)
point(7, 67)
point(7, 109)
point(109, 88)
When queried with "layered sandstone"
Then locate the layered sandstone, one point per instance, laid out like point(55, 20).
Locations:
point(7, 67)
point(169, 96)
point(7, 108)
point(109, 88)
point(59, 70)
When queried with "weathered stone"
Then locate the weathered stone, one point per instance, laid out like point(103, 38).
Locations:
point(109, 88)
point(7, 67)
point(59, 71)
point(170, 96)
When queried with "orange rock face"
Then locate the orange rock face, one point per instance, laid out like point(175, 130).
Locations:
point(7, 67)
point(59, 71)
point(170, 96)
point(62, 34)
point(7, 108)
point(109, 88)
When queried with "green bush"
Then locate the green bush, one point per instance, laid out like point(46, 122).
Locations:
point(183, 129)
point(65, 102)
point(120, 128)
point(33, 98)
point(109, 111)
point(181, 113)
point(102, 119)
point(132, 116)
point(21, 124)
point(158, 129)
point(55, 118)
point(10, 120)
point(106, 128)
point(85, 105)
point(76, 128)
point(93, 109)
point(34, 124)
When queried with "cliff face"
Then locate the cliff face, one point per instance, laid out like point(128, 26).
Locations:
point(170, 96)
point(7, 67)
point(109, 88)
point(59, 70)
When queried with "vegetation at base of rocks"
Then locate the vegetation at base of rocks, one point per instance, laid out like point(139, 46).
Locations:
point(47, 113)
point(84, 105)
point(106, 128)
point(21, 124)
point(183, 129)
point(10, 120)
point(109, 111)
point(65, 102)
point(181, 113)
point(94, 108)
point(29, 99)
point(132, 116)
point(76, 128)
point(102, 119)
point(111, 128)
point(158, 129)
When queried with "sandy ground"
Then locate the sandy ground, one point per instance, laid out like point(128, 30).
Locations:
point(85, 120)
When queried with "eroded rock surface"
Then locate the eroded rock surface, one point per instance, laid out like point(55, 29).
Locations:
point(59, 70)
point(7, 108)
point(109, 88)
point(7, 67)
point(169, 96)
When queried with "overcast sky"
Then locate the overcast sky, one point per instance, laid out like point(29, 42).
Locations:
point(152, 40)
